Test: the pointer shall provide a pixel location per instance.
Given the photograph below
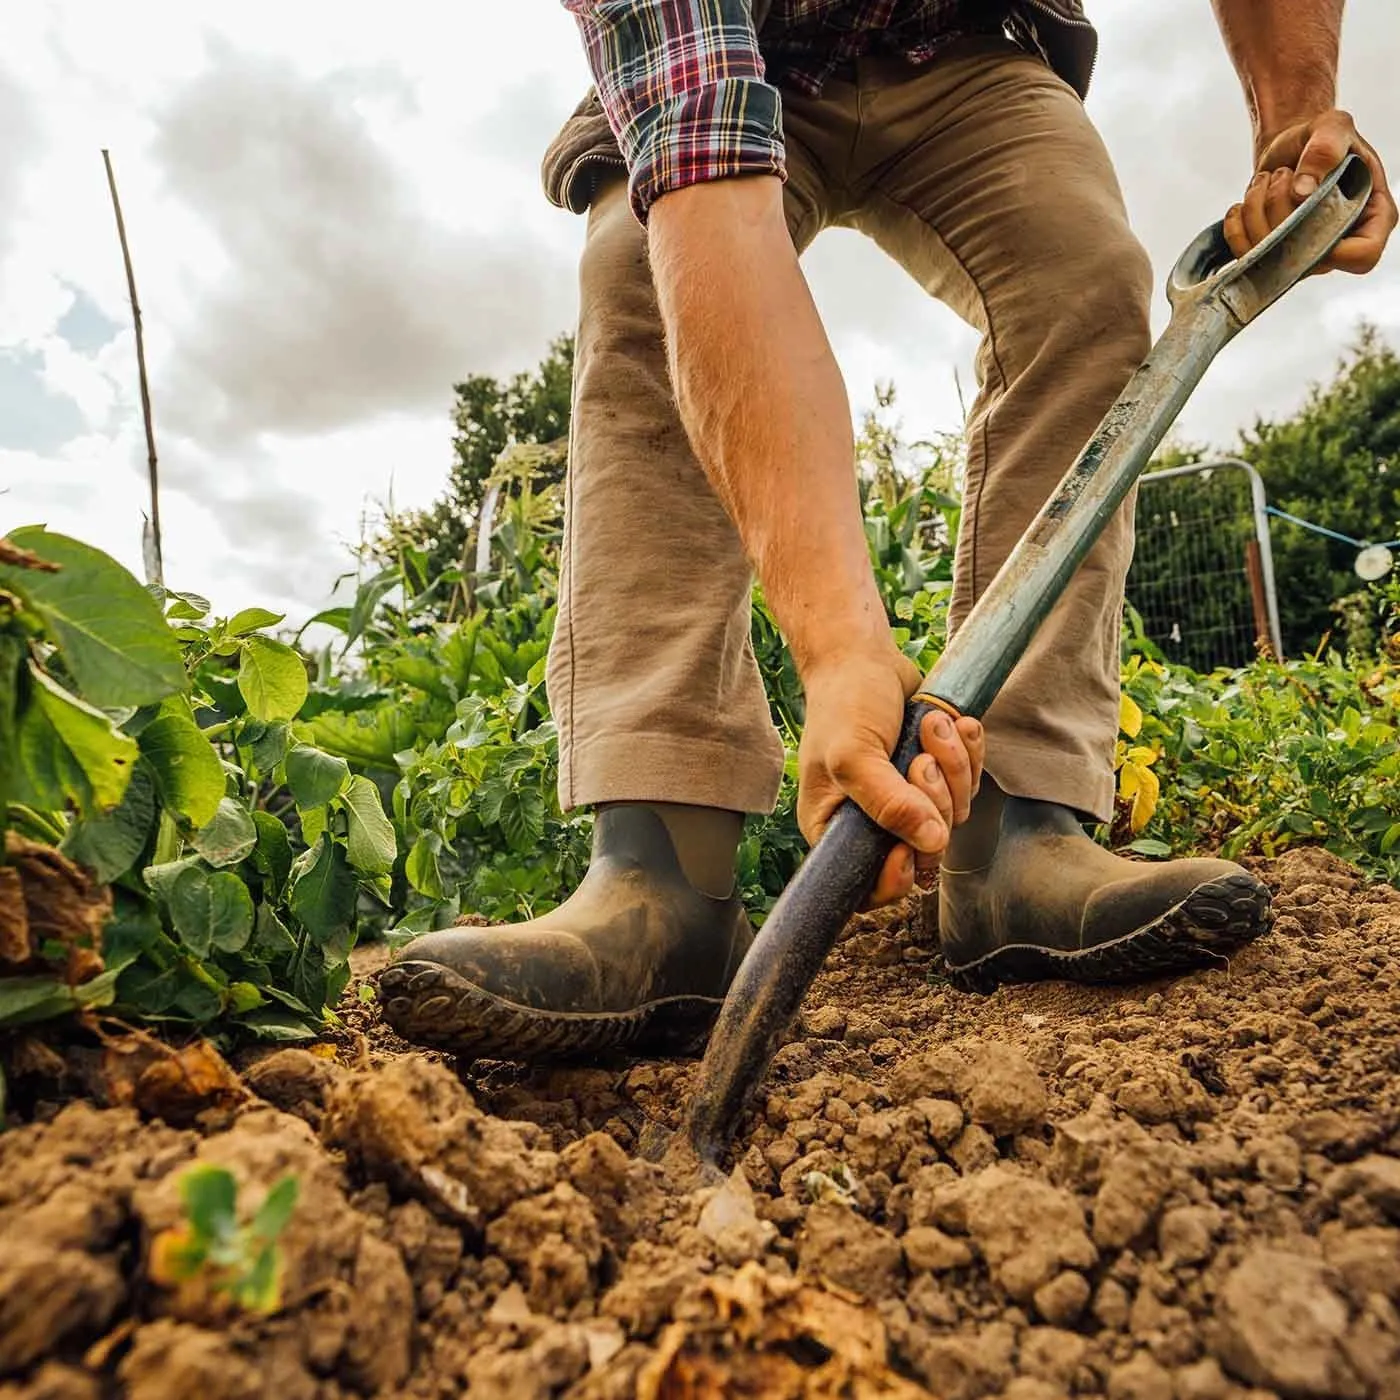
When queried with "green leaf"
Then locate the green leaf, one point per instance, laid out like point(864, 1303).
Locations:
point(421, 866)
point(323, 889)
point(314, 777)
point(272, 940)
point(370, 841)
point(250, 620)
point(522, 818)
point(13, 651)
point(24, 1000)
point(276, 1209)
point(109, 843)
point(187, 606)
point(313, 823)
point(259, 1289)
point(271, 678)
point(339, 618)
point(1147, 846)
point(370, 737)
point(211, 911)
point(266, 743)
point(188, 773)
point(210, 1198)
point(229, 837)
point(160, 879)
point(106, 623)
point(70, 751)
point(273, 853)
point(272, 1023)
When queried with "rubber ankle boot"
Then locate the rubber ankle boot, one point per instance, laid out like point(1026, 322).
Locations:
point(635, 957)
point(1026, 895)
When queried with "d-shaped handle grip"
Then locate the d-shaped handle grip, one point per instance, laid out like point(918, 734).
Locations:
point(1285, 256)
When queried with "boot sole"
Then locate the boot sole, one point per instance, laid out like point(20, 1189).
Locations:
point(429, 1004)
point(1209, 924)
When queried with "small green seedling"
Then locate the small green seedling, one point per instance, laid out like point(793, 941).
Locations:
point(242, 1262)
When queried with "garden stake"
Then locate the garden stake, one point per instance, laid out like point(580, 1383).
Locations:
point(1212, 298)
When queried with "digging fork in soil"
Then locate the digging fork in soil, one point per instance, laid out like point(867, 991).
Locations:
point(1212, 298)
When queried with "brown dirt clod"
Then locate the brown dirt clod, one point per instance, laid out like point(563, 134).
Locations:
point(1187, 1190)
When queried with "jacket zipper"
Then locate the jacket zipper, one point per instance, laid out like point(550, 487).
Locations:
point(1068, 20)
point(589, 158)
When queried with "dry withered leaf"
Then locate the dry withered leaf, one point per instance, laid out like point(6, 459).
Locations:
point(14, 919)
point(25, 558)
point(45, 898)
point(759, 1334)
point(163, 1081)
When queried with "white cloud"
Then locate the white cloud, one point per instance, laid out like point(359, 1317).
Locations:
point(333, 218)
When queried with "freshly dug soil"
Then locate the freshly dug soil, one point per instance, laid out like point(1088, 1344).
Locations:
point(1188, 1190)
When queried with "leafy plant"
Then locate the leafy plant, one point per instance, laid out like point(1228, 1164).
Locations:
point(1271, 756)
point(212, 1250)
point(160, 750)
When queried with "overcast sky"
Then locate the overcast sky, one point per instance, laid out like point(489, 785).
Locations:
point(335, 213)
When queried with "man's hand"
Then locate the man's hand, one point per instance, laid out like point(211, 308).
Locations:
point(855, 706)
point(1289, 166)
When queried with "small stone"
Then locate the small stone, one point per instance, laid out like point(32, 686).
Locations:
point(1139, 1379)
point(825, 1023)
point(1281, 1326)
point(1113, 1305)
point(1052, 1354)
point(1279, 1162)
point(838, 1245)
point(1375, 1178)
point(864, 1030)
point(1368, 1261)
point(975, 1148)
point(1004, 1093)
point(926, 1247)
point(1186, 1235)
point(1202, 1380)
point(1028, 1231)
point(1135, 1183)
point(728, 1220)
point(1334, 1134)
point(944, 1119)
point(1033, 1388)
point(936, 1074)
point(1063, 1299)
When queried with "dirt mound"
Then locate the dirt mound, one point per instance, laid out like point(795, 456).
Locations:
point(1183, 1191)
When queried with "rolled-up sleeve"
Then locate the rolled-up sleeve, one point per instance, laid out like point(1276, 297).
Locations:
point(682, 83)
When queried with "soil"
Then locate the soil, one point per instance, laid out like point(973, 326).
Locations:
point(1188, 1190)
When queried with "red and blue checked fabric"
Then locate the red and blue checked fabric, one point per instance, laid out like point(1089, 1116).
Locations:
point(687, 90)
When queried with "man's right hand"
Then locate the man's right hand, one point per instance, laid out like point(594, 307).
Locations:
point(855, 707)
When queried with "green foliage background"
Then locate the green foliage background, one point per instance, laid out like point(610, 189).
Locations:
point(256, 803)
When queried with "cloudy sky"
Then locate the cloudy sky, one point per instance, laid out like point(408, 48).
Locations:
point(335, 213)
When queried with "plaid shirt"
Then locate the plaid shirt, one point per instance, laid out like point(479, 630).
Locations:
point(687, 91)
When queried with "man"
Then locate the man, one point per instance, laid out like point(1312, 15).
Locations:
point(711, 434)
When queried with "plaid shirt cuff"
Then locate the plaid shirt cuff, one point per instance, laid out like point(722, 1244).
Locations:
point(683, 89)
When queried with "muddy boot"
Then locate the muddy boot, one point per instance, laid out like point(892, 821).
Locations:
point(637, 956)
point(1026, 895)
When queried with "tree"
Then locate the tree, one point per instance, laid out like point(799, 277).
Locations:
point(489, 415)
point(1335, 462)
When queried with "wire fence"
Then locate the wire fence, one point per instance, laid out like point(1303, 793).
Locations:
point(1202, 574)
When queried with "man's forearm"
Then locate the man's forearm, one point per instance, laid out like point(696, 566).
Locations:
point(1285, 52)
point(763, 402)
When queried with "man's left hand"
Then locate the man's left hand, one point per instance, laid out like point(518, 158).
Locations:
point(1290, 164)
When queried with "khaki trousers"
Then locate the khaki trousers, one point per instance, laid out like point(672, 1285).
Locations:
point(981, 174)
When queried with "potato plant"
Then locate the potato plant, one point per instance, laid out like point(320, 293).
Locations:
point(160, 750)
